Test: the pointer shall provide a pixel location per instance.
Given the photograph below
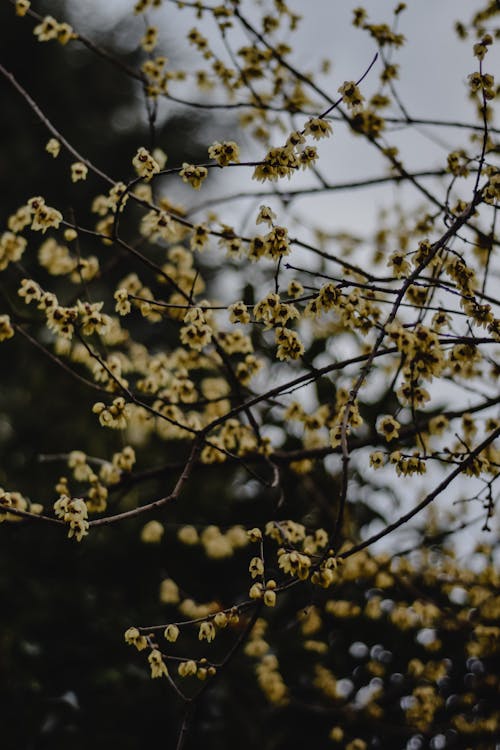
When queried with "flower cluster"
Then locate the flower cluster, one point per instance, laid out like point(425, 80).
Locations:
point(14, 501)
point(483, 83)
point(193, 175)
point(134, 638)
point(224, 153)
point(113, 416)
point(154, 70)
point(49, 28)
point(73, 511)
point(284, 161)
point(196, 332)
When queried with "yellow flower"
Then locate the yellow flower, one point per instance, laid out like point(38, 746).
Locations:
point(356, 744)
point(158, 666)
point(289, 344)
point(199, 237)
point(255, 535)
point(238, 313)
point(171, 633)
point(43, 216)
point(255, 591)
point(65, 33)
point(6, 330)
point(188, 535)
point(160, 157)
point(113, 416)
point(277, 242)
point(265, 216)
point(221, 620)
point(352, 96)
point(134, 638)
point(145, 165)
point(169, 592)
point(12, 247)
point(388, 427)
point(79, 171)
point(187, 668)
point(47, 29)
point(399, 264)
point(376, 459)
point(336, 734)
point(53, 147)
point(318, 128)
point(30, 290)
point(193, 175)
point(22, 7)
point(123, 305)
point(295, 289)
point(256, 567)
point(150, 39)
point(74, 512)
point(196, 333)
point(224, 153)
point(206, 631)
point(152, 532)
point(270, 594)
point(278, 162)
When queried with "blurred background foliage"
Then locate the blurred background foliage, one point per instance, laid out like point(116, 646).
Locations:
point(67, 679)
